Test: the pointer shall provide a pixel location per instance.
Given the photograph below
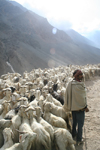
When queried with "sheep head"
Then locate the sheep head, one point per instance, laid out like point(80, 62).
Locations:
point(23, 101)
point(7, 133)
point(38, 111)
point(30, 111)
point(47, 107)
point(22, 110)
point(5, 123)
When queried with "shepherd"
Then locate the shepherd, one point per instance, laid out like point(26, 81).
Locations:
point(76, 102)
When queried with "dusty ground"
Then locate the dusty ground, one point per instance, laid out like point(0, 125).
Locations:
point(91, 129)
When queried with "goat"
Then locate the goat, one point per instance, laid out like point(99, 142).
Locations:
point(3, 124)
point(63, 139)
point(52, 119)
point(60, 112)
point(8, 142)
point(50, 98)
point(25, 143)
point(44, 123)
point(6, 108)
point(43, 138)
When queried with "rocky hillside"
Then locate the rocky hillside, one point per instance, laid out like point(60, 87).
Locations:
point(27, 41)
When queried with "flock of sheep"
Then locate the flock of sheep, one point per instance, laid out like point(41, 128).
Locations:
point(32, 116)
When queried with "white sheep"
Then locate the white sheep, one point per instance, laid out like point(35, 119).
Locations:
point(6, 108)
point(36, 100)
point(50, 98)
point(16, 122)
point(3, 124)
point(7, 95)
point(41, 104)
point(11, 114)
point(25, 143)
point(29, 85)
point(15, 96)
point(60, 112)
point(43, 138)
point(25, 126)
point(22, 90)
point(44, 123)
point(52, 119)
point(23, 101)
point(35, 79)
point(63, 139)
point(8, 142)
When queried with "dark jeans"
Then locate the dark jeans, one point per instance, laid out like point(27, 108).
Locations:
point(78, 119)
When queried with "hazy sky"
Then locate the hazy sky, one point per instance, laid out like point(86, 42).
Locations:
point(81, 15)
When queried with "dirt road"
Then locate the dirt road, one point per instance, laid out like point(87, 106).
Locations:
point(91, 129)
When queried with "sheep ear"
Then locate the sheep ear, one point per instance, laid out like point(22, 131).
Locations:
point(29, 109)
point(35, 115)
point(20, 131)
point(20, 137)
point(12, 135)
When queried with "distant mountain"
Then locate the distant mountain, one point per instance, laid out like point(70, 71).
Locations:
point(27, 41)
point(95, 36)
point(78, 38)
point(84, 42)
point(18, 5)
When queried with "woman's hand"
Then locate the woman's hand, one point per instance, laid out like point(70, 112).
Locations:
point(86, 110)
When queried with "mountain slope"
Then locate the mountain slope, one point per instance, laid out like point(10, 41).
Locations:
point(27, 42)
point(84, 42)
point(77, 38)
point(95, 36)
